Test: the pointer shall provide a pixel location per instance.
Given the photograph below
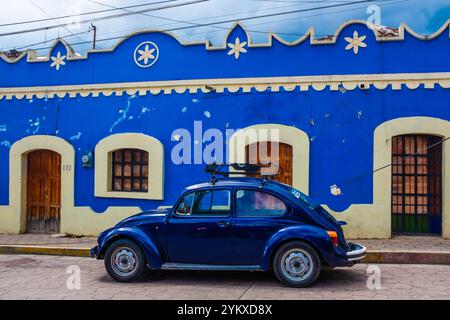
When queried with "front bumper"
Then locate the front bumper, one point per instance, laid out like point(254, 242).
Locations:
point(93, 252)
point(357, 252)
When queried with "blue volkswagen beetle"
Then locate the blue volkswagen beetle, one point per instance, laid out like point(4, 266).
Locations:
point(231, 223)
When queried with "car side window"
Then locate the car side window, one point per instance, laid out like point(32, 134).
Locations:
point(252, 203)
point(185, 206)
point(205, 202)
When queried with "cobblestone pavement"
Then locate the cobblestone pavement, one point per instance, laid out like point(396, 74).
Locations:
point(45, 277)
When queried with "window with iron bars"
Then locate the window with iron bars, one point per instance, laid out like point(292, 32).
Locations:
point(130, 170)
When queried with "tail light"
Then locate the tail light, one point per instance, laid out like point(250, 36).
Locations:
point(333, 237)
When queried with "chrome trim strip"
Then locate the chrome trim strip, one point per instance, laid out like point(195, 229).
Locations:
point(189, 266)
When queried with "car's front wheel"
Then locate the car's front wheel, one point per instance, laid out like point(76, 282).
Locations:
point(125, 261)
point(297, 264)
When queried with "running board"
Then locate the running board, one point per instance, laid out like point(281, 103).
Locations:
point(189, 266)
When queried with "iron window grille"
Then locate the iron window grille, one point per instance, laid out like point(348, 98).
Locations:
point(416, 184)
point(130, 170)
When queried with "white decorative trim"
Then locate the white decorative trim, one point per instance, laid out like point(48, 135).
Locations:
point(237, 48)
point(309, 34)
point(355, 43)
point(58, 61)
point(147, 54)
point(303, 83)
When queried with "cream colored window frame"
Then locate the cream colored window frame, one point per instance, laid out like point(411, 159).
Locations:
point(103, 165)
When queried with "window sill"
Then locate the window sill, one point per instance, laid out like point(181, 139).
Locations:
point(130, 195)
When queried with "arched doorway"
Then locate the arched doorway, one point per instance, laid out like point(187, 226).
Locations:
point(43, 191)
point(417, 184)
point(261, 152)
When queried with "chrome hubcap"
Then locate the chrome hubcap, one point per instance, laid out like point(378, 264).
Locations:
point(296, 264)
point(124, 261)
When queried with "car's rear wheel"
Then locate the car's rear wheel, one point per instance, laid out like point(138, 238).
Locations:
point(125, 261)
point(297, 264)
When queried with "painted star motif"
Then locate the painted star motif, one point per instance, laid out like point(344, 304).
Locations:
point(58, 61)
point(237, 48)
point(356, 42)
point(146, 54)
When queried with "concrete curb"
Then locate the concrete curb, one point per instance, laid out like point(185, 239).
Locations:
point(405, 257)
point(408, 257)
point(55, 251)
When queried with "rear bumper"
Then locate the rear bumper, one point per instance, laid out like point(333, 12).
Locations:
point(357, 252)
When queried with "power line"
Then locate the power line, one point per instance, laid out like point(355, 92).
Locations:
point(264, 23)
point(46, 13)
point(212, 31)
point(240, 19)
point(390, 164)
point(102, 18)
point(51, 40)
point(82, 14)
point(296, 18)
point(226, 15)
point(300, 1)
point(174, 20)
point(167, 24)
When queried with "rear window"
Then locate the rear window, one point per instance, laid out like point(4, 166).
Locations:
point(306, 200)
point(313, 205)
point(251, 203)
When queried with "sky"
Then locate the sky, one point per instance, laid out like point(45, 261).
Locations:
point(423, 16)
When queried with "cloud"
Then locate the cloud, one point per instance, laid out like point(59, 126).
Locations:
point(423, 16)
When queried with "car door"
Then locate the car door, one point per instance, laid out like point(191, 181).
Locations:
point(199, 229)
point(258, 215)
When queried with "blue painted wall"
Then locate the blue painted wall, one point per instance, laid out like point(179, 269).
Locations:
point(340, 124)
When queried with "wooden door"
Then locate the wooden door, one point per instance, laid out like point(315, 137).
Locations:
point(43, 191)
point(254, 154)
point(417, 184)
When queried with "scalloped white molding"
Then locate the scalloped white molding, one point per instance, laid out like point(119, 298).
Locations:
point(309, 34)
point(303, 83)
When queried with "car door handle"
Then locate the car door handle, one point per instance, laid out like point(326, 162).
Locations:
point(223, 224)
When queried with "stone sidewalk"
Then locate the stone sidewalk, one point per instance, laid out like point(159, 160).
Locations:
point(46, 240)
point(408, 244)
point(399, 243)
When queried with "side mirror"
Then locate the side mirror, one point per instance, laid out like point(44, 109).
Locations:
point(342, 223)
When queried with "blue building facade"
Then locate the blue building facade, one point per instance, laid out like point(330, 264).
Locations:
point(348, 107)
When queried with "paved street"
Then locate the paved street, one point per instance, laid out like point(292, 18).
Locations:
point(45, 277)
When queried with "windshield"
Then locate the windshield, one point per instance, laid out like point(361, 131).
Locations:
point(307, 200)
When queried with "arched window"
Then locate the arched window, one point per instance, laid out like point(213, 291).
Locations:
point(416, 184)
point(129, 165)
point(293, 150)
point(261, 153)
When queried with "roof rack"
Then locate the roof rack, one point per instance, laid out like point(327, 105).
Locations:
point(216, 169)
